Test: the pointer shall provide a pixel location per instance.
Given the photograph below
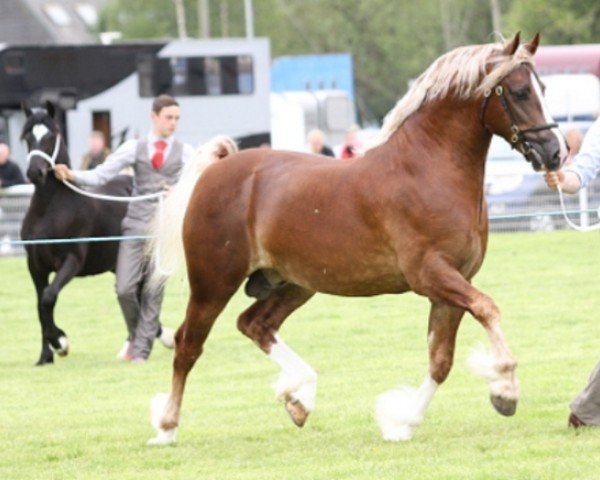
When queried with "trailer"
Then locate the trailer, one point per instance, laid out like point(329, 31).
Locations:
point(222, 85)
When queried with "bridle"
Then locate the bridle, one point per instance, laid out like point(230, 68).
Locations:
point(518, 138)
point(50, 159)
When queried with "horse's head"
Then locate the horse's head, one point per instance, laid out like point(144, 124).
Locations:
point(44, 143)
point(513, 106)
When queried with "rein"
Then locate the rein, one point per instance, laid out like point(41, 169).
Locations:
point(518, 138)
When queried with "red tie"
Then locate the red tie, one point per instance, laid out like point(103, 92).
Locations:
point(159, 154)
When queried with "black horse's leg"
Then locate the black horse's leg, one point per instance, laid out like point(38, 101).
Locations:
point(54, 335)
point(40, 281)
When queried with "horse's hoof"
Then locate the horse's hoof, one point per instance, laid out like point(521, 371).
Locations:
point(296, 411)
point(44, 361)
point(504, 406)
point(62, 349)
point(163, 437)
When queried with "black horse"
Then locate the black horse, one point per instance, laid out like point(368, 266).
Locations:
point(58, 212)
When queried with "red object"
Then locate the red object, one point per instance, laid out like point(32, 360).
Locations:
point(159, 154)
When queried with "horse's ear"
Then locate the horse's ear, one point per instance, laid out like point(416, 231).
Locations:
point(50, 108)
point(26, 109)
point(511, 47)
point(532, 46)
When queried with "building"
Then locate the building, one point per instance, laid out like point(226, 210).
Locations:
point(43, 22)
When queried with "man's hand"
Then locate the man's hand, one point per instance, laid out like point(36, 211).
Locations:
point(62, 172)
point(569, 181)
point(553, 179)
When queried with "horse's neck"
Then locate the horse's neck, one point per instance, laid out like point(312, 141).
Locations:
point(44, 195)
point(445, 137)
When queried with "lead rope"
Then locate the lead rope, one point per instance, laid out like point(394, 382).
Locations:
point(111, 198)
point(138, 198)
point(574, 226)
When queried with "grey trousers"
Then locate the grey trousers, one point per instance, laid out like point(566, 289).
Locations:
point(140, 307)
point(587, 404)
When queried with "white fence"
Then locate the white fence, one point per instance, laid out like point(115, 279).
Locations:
point(517, 210)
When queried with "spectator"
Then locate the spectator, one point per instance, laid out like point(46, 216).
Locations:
point(97, 152)
point(351, 147)
point(585, 408)
point(316, 143)
point(157, 161)
point(10, 173)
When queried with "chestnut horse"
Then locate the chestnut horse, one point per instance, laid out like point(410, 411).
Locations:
point(409, 215)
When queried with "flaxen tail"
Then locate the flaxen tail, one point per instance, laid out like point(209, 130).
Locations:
point(166, 243)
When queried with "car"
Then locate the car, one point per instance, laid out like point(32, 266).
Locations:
point(519, 199)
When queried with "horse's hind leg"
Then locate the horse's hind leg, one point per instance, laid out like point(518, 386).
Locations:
point(205, 304)
point(400, 411)
point(297, 383)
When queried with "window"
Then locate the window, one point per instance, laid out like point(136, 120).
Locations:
point(88, 13)
point(58, 14)
point(245, 74)
point(14, 63)
point(227, 75)
point(213, 76)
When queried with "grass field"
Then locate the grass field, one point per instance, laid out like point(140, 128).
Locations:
point(87, 416)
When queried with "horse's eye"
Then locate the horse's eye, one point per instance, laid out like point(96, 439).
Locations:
point(522, 94)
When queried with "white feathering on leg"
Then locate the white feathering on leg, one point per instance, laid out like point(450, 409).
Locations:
point(158, 406)
point(400, 411)
point(481, 363)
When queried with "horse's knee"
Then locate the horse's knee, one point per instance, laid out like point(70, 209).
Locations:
point(49, 296)
point(485, 310)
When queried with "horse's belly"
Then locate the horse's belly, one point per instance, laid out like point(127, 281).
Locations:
point(349, 279)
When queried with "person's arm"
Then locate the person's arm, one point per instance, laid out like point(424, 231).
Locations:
point(569, 181)
point(585, 165)
point(123, 157)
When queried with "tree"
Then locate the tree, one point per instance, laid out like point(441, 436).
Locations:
point(558, 21)
point(390, 41)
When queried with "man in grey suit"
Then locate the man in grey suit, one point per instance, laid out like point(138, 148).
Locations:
point(156, 162)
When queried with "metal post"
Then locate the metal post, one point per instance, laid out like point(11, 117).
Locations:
point(204, 18)
point(249, 14)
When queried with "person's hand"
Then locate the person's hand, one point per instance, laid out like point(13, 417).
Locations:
point(554, 179)
point(62, 172)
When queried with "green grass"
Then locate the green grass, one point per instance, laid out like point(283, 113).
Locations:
point(87, 415)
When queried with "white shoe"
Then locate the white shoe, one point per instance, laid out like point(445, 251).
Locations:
point(167, 337)
point(123, 353)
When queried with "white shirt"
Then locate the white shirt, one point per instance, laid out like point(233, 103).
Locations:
point(587, 162)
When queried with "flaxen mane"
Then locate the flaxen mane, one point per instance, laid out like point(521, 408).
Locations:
point(462, 71)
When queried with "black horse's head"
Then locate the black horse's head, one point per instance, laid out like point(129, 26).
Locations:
point(45, 146)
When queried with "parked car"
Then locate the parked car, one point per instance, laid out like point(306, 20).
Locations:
point(518, 198)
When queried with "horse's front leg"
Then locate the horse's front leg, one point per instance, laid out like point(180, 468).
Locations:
point(56, 337)
point(445, 283)
point(400, 411)
point(40, 281)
